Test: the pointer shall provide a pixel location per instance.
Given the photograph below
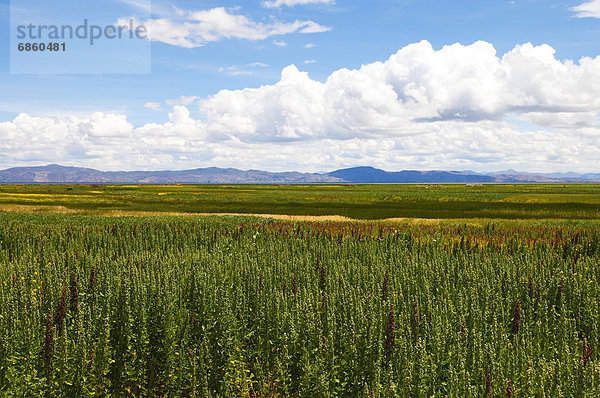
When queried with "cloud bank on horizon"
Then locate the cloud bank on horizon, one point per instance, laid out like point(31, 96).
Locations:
point(460, 107)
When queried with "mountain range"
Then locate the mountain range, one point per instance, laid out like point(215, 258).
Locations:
point(212, 175)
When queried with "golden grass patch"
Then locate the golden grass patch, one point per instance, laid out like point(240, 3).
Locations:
point(37, 209)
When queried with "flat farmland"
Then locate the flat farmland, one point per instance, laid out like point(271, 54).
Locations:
point(361, 202)
point(437, 291)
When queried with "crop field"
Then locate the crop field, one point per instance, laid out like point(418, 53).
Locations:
point(470, 304)
point(573, 202)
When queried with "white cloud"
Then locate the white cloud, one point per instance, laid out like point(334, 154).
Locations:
point(280, 43)
point(414, 88)
point(310, 61)
point(313, 27)
point(590, 9)
point(144, 5)
point(109, 142)
point(310, 45)
point(155, 106)
point(197, 28)
point(291, 3)
point(447, 109)
point(183, 100)
point(234, 71)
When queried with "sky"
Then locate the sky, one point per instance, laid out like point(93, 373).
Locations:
point(310, 85)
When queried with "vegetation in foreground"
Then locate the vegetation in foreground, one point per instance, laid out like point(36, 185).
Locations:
point(364, 202)
point(235, 307)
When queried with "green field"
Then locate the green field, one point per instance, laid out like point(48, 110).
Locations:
point(469, 305)
point(574, 202)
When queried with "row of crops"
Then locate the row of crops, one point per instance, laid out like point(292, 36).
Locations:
point(221, 309)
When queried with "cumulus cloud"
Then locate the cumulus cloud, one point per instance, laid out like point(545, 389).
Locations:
point(292, 3)
point(191, 29)
point(590, 9)
point(109, 142)
point(414, 87)
point(459, 107)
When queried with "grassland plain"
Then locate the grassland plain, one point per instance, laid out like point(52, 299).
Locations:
point(575, 202)
point(231, 306)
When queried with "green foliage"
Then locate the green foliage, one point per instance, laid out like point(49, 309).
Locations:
point(363, 202)
point(234, 307)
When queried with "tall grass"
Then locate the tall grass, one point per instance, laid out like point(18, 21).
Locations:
point(205, 308)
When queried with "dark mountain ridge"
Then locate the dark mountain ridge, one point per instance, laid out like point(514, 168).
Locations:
point(371, 174)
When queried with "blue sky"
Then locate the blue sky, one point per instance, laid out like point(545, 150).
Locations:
point(179, 100)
